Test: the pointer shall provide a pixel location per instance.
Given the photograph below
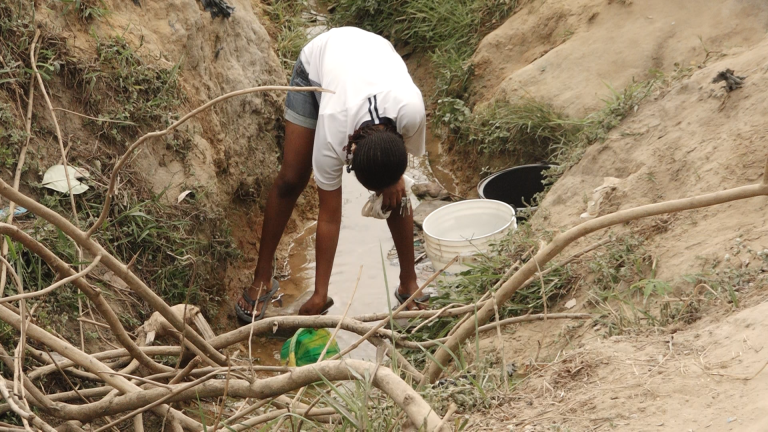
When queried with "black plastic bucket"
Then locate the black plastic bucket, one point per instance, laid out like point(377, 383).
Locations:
point(515, 186)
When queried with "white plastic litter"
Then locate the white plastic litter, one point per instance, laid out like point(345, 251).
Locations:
point(56, 179)
point(182, 196)
point(598, 195)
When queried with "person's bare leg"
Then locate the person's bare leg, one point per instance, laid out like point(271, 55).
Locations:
point(401, 227)
point(290, 182)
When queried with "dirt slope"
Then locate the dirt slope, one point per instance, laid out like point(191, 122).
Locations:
point(234, 144)
point(688, 138)
point(693, 140)
point(566, 51)
point(691, 380)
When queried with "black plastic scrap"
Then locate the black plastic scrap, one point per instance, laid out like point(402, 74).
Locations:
point(218, 8)
point(732, 82)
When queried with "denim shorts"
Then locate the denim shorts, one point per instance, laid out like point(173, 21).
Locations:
point(301, 108)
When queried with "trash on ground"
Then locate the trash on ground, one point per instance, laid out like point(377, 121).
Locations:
point(17, 211)
point(306, 346)
point(183, 195)
point(56, 179)
point(732, 82)
point(218, 8)
point(598, 195)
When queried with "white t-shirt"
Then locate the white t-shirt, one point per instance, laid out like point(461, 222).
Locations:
point(371, 82)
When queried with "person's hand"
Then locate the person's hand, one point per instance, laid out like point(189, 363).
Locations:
point(393, 195)
point(314, 305)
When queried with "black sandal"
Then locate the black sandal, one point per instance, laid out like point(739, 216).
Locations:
point(248, 317)
point(401, 298)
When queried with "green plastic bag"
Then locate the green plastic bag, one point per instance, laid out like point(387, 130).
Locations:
point(306, 346)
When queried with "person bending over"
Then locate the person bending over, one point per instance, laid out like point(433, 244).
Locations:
point(374, 118)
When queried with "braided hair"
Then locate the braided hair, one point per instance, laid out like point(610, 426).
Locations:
point(380, 158)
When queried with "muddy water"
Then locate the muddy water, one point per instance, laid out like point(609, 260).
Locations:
point(363, 242)
point(433, 159)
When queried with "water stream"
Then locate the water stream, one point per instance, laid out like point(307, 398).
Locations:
point(363, 242)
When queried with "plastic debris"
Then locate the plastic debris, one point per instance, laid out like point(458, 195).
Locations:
point(17, 211)
point(56, 179)
point(593, 206)
point(732, 81)
point(306, 346)
point(182, 196)
point(218, 8)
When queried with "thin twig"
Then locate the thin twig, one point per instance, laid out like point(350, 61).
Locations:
point(55, 285)
point(404, 305)
point(94, 118)
point(169, 129)
point(157, 402)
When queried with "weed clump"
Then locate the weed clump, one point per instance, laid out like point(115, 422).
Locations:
point(526, 131)
point(448, 30)
point(119, 85)
point(86, 10)
point(291, 19)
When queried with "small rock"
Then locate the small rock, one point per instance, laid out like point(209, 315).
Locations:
point(429, 190)
point(570, 304)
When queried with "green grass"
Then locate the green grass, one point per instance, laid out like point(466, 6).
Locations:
point(12, 137)
point(449, 31)
point(526, 131)
point(470, 285)
point(86, 10)
point(120, 85)
point(291, 19)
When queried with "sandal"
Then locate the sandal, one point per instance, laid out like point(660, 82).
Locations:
point(248, 317)
point(401, 298)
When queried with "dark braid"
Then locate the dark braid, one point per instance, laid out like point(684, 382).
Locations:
point(379, 159)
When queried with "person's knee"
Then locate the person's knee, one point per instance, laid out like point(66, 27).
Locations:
point(290, 186)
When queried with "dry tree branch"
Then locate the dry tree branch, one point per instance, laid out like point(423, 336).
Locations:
point(106, 355)
point(402, 307)
point(444, 353)
point(17, 175)
point(418, 411)
point(21, 412)
point(94, 295)
point(118, 268)
point(88, 363)
point(169, 129)
point(58, 284)
point(173, 392)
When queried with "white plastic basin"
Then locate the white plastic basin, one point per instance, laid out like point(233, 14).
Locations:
point(465, 229)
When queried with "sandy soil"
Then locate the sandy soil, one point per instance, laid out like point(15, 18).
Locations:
point(567, 51)
point(687, 139)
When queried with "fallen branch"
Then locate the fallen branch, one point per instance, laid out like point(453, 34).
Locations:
point(444, 354)
point(118, 268)
point(61, 268)
point(418, 411)
point(90, 364)
point(45, 291)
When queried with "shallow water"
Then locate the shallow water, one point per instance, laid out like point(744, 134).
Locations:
point(364, 242)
